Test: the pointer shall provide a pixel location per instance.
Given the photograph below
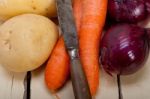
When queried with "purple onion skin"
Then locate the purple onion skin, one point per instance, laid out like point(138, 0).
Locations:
point(148, 5)
point(130, 11)
point(124, 49)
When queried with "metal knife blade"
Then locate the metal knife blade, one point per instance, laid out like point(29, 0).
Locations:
point(68, 29)
point(67, 24)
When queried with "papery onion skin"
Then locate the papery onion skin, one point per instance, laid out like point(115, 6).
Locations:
point(124, 49)
point(130, 11)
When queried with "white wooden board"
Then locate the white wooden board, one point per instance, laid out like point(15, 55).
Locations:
point(11, 84)
point(108, 85)
point(135, 86)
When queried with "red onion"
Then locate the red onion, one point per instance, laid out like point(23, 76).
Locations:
point(148, 5)
point(124, 49)
point(131, 11)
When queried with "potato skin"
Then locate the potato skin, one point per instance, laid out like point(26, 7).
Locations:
point(10, 8)
point(26, 42)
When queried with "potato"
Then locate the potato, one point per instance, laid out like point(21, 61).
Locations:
point(26, 42)
point(10, 8)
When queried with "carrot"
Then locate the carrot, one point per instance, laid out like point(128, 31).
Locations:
point(77, 11)
point(90, 18)
point(57, 69)
point(92, 22)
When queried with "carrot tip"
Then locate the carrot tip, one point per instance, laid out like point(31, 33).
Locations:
point(55, 94)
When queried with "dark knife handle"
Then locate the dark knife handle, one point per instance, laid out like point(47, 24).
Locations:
point(79, 81)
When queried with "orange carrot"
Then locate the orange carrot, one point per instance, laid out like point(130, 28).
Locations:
point(92, 22)
point(77, 11)
point(90, 19)
point(57, 69)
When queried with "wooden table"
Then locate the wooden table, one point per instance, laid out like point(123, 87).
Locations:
point(13, 85)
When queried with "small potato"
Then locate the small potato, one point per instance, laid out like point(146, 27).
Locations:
point(26, 42)
point(10, 8)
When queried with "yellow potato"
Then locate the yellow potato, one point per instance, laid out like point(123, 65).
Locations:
point(10, 8)
point(26, 42)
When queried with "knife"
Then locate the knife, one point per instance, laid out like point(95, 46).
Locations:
point(69, 32)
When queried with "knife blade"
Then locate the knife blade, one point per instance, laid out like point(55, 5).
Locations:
point(69, 32)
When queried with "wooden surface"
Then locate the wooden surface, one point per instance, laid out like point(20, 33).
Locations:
point(12, 84)
point(136, 86)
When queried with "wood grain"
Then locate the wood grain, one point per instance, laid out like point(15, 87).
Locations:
point(12, 86)
point(137, 86)
point(27, 86)
point(108, 87)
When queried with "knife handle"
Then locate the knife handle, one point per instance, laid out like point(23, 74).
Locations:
point(79, 81)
